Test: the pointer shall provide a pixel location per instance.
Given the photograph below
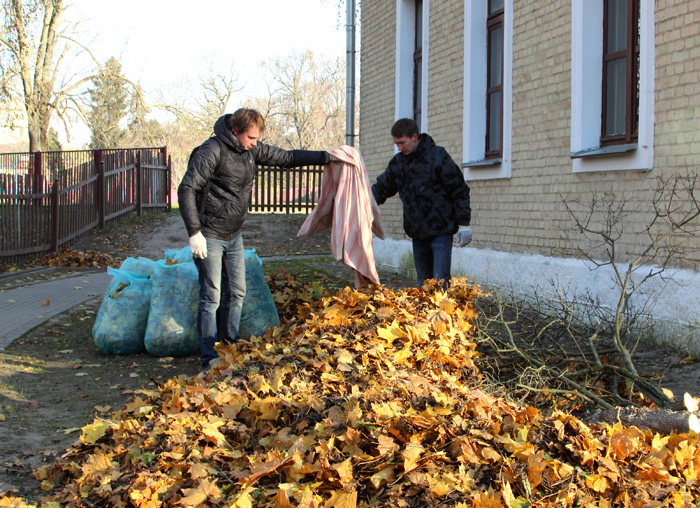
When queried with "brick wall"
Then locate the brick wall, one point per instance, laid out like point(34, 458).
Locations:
point(526, 213)
point(377, 89)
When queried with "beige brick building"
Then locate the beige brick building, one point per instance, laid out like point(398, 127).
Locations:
point(552, 153)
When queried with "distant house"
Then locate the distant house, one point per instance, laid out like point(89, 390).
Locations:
point(13, 128)
point(544, 103)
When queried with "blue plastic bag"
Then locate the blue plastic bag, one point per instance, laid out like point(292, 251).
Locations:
point(140, 265)
point(259, 312)
point(183, 255)
point(172, 320)
point(120, 324)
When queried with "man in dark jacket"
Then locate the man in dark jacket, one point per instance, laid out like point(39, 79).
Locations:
point(214, 203)
point(435, 199)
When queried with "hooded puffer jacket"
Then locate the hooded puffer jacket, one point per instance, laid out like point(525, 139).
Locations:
point(230, 192)
point(432, 189)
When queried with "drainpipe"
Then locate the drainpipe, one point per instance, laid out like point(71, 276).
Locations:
point(350, 74)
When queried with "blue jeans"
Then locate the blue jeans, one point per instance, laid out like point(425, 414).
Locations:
point(433, 258)
point(221, 292)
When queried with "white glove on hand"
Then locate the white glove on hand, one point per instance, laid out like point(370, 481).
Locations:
point(464, 236)
point(198, 245)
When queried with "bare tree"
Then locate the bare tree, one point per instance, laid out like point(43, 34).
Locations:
point(35, 46)
point(572, 346)
point(194, 105)
point(305, 102)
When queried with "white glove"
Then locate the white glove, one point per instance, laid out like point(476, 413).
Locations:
point(464, 236)
point(198, 245)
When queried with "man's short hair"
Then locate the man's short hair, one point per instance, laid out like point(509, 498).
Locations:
point(244, 118)
point(404, 127)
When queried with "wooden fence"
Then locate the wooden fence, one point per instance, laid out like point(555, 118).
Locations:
point(48, 199)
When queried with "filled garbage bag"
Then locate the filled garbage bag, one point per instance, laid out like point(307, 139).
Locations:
point(140, 265)
point(259, 312)
point(183, 255)
point(172, 320)
point(120, 325)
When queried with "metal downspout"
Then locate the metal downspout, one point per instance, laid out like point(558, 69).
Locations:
point(350, 74)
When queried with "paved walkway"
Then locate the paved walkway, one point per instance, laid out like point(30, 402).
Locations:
point(23, 308)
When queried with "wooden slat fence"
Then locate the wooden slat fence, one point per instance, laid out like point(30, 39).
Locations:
point(287, 190)
point(48, 199)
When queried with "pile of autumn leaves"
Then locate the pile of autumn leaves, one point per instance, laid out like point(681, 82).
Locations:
point(367, 398)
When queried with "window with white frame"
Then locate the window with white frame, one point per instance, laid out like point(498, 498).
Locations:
point(488, 57)
point(412, 60)
point(612, 85)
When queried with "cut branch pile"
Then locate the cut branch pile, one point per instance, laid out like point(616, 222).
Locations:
point(363, 399)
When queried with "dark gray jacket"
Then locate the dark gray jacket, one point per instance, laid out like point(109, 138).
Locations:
point(432, 189)
point(230, 191)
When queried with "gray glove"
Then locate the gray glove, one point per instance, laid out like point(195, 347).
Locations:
point(464, 236)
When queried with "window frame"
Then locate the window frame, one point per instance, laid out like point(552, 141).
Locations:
point(405, 46)
point(476, 166)
point(587, 154)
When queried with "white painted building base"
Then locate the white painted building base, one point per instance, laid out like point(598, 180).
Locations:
point(673, 301)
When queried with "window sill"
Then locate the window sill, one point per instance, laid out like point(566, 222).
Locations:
point(605, 151)
point(482, 163)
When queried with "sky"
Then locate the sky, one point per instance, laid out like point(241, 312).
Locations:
point(160, 41)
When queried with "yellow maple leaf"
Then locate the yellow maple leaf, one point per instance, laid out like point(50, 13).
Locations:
point(206, 490)
point(410, 456)
point(344, 470)
point(383, 476)
point(94, 431)
point(267, 408)
point(598, 482)
point(387, 410)
point(211, 432)
point(340, 499)
point(387, 445)
point(391, 332)
point(98, 464)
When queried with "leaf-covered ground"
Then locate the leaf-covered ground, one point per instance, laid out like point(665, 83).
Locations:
point(365, 398)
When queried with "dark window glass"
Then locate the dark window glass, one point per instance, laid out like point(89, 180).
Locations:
point(494, 85)
point(418, 63)
point(620, 72)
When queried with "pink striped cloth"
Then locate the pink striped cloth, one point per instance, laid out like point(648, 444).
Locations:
point(347, 206)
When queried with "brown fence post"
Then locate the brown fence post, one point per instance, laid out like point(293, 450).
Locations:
point(97, 159)
point(54, 215)
point(170, 184)
point(139, 185)
point(102, 192)
point(37, 183)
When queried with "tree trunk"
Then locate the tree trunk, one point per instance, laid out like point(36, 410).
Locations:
point(658, 420)
point(35, 134)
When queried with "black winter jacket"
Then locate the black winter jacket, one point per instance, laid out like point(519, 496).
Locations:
point(230, 191)
point(432, 189)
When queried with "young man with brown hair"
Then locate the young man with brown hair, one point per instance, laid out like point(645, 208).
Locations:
point(214, 196)
point(435, 199)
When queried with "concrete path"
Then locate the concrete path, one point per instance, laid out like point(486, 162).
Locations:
point(23, 308)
